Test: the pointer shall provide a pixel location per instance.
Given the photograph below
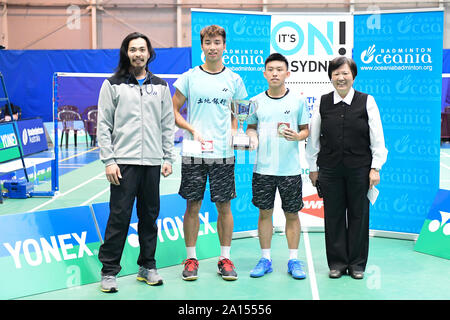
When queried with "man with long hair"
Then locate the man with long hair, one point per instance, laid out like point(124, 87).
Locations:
point(136, 139)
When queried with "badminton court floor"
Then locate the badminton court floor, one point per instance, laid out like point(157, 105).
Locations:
point(394, 271)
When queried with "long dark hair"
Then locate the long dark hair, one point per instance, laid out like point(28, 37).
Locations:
point(124, 60)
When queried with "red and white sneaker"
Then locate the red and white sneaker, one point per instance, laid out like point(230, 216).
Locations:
point(190, 271)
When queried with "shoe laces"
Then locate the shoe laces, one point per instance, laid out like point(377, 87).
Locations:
point(190, 264)
point(295, 264)
point(262, 263)
point(109, 278)
point(226, 264)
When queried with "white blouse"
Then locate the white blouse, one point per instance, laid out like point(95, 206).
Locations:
point(377, 145)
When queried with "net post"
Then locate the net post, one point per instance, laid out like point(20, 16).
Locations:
point(54, 163)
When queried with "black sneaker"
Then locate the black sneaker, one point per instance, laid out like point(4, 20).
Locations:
point(226, 269)
point(190, 269)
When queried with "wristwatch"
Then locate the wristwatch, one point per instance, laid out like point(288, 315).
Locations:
point(376, 169)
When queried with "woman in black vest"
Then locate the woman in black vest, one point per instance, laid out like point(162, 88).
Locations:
point(345, 152)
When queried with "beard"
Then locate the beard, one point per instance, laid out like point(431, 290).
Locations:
point(138, 70)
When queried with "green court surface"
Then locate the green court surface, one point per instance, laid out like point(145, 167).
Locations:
point(394, 271)
point(82, 186)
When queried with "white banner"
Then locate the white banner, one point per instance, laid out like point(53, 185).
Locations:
point(309, 42)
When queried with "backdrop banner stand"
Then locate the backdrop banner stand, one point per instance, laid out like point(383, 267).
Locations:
point(434, 238)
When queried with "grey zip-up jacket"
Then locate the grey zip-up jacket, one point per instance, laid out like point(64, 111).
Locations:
point(135, 124)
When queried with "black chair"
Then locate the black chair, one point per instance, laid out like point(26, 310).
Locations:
point(5, 114)
point(67, 117)
point(445, 126)
point(68, 107)
point(90, 124)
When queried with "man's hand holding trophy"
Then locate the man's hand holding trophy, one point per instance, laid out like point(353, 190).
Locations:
point(242, 110)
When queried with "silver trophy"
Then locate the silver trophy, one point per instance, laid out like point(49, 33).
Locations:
point(241, 110)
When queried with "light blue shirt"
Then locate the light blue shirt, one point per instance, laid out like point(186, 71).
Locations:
point(276, 155)
point(208, 96)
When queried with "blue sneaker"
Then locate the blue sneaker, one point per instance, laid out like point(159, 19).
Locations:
point(264, 266)
point(295, 269)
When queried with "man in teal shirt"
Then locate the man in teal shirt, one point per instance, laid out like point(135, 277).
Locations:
point(207, 151)
point(280, 122)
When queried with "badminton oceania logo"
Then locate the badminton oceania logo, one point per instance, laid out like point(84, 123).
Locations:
point(239, 26)
point(367, 56)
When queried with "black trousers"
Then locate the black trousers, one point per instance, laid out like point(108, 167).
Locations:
point(346, 209)
point(140, 183)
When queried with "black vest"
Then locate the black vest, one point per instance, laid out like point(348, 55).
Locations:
point(344, 132)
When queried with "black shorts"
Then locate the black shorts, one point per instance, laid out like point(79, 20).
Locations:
point(194, 173)
point(290, 188)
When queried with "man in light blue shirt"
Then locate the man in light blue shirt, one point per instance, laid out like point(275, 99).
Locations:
point(207, 150)
point(280, 122)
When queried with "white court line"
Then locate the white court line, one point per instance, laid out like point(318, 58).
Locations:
point(66, 193)
point(94, 197)
point(311, 272)
point(445, 166)
point(70, 167)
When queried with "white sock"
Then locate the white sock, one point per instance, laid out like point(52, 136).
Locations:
point(191, 253)
point(224, 252)
point(293, 254)
point(265, 253)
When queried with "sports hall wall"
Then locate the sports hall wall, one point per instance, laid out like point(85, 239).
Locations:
point(29, 73)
